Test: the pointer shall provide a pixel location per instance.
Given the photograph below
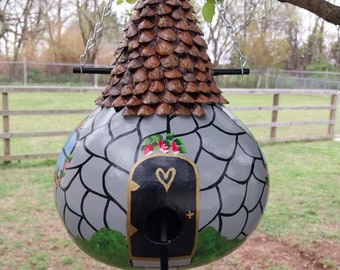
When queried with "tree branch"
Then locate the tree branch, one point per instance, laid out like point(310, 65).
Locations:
point(321, 8)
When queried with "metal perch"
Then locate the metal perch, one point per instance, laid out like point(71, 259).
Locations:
point(96, 70)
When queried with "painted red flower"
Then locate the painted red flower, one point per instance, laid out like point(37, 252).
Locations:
point(163, 147)
point(175, 148)
point(148, 149)
point(67, 161)
point(57, 182)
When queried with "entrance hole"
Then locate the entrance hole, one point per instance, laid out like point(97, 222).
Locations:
point(162, 225)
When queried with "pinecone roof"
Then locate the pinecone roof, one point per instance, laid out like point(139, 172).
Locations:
point(161, 65)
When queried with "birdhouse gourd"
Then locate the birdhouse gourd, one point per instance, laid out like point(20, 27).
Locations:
point(161, 170)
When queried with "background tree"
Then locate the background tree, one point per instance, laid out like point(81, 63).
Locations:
point(55, 21)
point(312, 51)
point(335, 50)
point(57, 31)
point(260, 26)
point(293, 34)
point(21, 28)
point(215, 32)
point(89, 13)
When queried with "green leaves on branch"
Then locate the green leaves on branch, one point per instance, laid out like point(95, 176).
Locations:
point(127, 1)
point(208, 10)
point(131, 1)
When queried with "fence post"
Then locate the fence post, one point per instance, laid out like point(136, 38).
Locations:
point(326, 79)
point(274, 116)
point(332, 115)
point(25, 71)
point(5, 107)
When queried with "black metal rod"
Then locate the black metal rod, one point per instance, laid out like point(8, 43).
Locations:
point(231, 71)
point(164, 238)
point(92, 70)
point(164, 258)
point(103, 70)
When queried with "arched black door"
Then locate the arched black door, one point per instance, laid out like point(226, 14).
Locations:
point(163, 210)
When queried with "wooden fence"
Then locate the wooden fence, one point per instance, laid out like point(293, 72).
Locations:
point(275, 108)
point(6, 113)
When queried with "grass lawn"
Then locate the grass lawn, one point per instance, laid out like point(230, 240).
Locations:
point(303, 208)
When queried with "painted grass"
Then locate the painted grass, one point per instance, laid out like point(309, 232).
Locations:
point(303, 207)
point(43, 101)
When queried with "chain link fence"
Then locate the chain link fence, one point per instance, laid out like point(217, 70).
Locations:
point(26, 73)
point(307, 80)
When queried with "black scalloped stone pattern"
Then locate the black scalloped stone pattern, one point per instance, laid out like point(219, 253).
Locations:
point(92, 193)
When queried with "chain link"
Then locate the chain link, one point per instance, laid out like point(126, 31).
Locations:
point(91, 42)
point(229, 29)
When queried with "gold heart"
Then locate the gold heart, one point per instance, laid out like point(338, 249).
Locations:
point(160, 174)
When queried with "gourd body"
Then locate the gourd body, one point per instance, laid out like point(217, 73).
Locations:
point(118, 176)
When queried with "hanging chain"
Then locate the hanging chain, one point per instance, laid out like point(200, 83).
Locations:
point(229, 29)
point(91, 42)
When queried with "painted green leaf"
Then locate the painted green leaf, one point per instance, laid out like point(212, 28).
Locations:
point(148, 140)
point(179, 141)
point(170, 136)
point(168, 142)
point(208, 11)
point(157, 138)
point(182, 149)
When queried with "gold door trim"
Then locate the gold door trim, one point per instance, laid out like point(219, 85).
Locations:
point(133, 186)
